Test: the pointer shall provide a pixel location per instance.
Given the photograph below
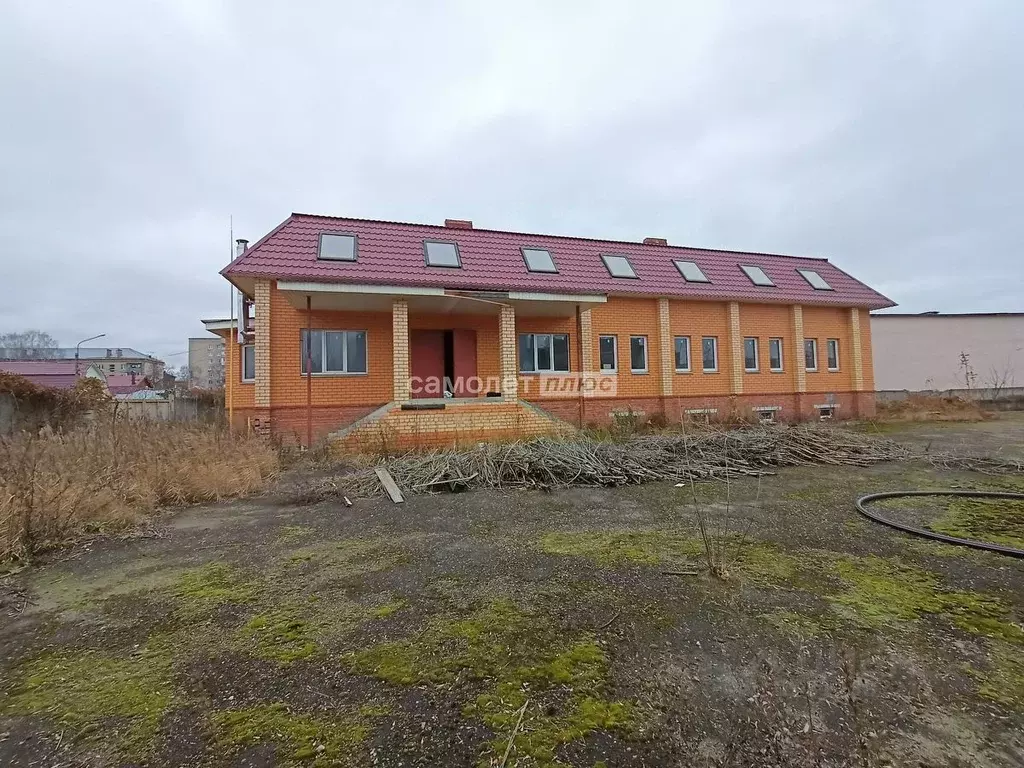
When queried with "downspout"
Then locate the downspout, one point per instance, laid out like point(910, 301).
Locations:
point(579, 344)
point(309, 371)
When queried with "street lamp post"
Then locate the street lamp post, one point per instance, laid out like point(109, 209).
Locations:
point(78, 348)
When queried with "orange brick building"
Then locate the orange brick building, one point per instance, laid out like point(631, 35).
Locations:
point(360, 330)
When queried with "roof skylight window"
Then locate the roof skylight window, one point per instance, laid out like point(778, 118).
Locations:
point(757, 275)
point(335, 246)
point(441, 254)
point(817, 281)
point(539, 260)
point(618, 266)
point(691, 272)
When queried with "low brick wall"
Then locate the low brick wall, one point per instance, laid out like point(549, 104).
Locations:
point(456, 423)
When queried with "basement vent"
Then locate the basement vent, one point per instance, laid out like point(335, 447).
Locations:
point(826, 411)
point(766, 413)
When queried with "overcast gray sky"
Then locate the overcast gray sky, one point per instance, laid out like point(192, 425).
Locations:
point(888, 137)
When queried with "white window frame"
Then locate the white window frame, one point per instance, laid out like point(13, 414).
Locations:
point(782, 359)
point(552, 369)
point(243, 376)
point(647, 355)
point(323, 352)
point(615, 353)
point(714, 342)
point(829, 343)
point(689, 354)
point(814, 346)
point(757, 355)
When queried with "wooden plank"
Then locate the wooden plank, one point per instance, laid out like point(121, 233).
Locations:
point(389, 484)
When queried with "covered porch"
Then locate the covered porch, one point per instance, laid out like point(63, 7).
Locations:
point(449, 347)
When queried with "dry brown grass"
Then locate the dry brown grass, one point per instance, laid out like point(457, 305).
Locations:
point(109, 475)
point(931, 408)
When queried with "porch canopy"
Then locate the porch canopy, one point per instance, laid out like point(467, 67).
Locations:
point(380, 298)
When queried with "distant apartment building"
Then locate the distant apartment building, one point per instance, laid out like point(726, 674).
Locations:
point(109, 360)
point(206, 363)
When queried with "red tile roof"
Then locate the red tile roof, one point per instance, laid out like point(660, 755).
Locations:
point(124, 384)
point(391, 253)
point(55, 374)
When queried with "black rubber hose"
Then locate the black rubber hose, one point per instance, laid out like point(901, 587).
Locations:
point(985, 545)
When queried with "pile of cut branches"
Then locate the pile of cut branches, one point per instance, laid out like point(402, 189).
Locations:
point(582, 461)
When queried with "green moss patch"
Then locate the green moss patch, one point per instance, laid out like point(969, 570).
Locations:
point(200, 591)
point(1000, 521)
point(295, 630)
point(300, 739)
point(279, 635)
point(883, 591)
point(338, 560)
point(1003, 681)
point(611, 548)
point(520, 659)
point(122, 698)
point(294, 532)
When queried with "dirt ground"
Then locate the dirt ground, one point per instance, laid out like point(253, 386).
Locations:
point(581, 624)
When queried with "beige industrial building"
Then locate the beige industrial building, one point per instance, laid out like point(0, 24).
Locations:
point(980, 352)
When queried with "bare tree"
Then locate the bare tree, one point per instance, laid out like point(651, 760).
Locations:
point(1000, 378)
point(28, 345)
point(966, 371)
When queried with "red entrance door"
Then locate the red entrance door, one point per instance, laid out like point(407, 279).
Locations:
point(464, 363)
point(426, 363)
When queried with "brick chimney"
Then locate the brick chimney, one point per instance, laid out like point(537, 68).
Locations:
point(458, 223)
point(655, 241)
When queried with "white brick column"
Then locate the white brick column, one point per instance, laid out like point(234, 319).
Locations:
point(587, 342)
point(509, 367)
point(400, 348)
point(668, 366)
point(798, 348)
point(735, 348)
point(261, 296)
point(858, 354)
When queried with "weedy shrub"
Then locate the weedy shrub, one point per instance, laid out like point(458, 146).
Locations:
point(108, 474)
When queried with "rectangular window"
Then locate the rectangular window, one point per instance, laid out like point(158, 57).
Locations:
point(709, 353)
point(817, 281)
point(333, 351)
point(638, 354)
point(539, 260)
point(811, 354)
point(683, 354)
point(750, 364)
point(441, 254)
point(691, 272)
point(757, 275)
point(335, 246)
point(543, 353)
point(249, 362)
point(618, 266)
point(609, 353)
point(775, 354)
point(832, 348)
